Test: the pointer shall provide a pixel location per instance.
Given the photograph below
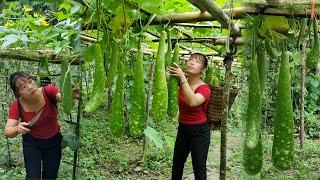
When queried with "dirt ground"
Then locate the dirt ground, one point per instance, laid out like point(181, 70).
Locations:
point(213, 161)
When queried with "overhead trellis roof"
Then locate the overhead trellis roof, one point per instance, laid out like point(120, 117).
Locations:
point(210, 12)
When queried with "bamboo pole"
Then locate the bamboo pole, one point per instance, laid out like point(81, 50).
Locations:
point(156, 35)
point(215, 11)
point(291, 2)
point(87, 38)
point(205, 26)
point(91, 39)
point(236, 13)
point(34, 56)
point(189, 35)
point(211, 40)
point(202, 16)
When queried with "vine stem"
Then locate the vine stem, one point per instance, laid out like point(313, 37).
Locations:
point(144, 151)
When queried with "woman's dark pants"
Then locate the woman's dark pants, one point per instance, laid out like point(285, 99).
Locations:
point(194, 139)
point(42, 156)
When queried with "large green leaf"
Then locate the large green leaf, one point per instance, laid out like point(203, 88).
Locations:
point(151, 6)
point(314, 82)
point(89, 53)
point(277, 23)
point(66, 6)
point(226, 3)
point(154, 136)
point(220, 2)
point(75, 8)
point(123, 18)
point(61, 15)
point(9, 39)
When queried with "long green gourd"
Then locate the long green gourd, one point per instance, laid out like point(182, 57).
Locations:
point(138, 112)
point(314, 55)
point(252, 158)
point(209, 75)
point(302, 32)
point(253, 121)
point(112, 71)
point(159, 87)
point(270, 50)
point(262, 66)
point(283, 141)
point(252, 153)
point(63, 69)
point(98, 90)
point(66, 94)
point(169, 48)
point(173, 88)
point(117, 114)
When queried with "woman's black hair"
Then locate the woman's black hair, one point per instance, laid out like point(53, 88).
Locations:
point(202, 57)
point(13, 81)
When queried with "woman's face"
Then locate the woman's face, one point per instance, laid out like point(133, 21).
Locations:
point(26, 87)
point(194, 65)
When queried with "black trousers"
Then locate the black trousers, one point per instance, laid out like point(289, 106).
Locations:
point(194, 138)
point(45, 153)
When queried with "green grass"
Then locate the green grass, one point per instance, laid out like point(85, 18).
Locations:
point(305, 165)
point(102, 156)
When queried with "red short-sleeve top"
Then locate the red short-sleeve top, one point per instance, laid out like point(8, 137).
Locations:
point(47, 125)
point(194, 115)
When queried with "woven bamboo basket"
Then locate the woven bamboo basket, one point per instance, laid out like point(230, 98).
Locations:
point(215, 108)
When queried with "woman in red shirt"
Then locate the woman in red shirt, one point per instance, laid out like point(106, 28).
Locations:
point(194, 130)
point(36, 107)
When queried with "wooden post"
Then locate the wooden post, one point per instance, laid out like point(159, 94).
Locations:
point(10, 162)
point(224, 128)
point(223, 145)
point(76, 152)
point(303, 72)
point(8, 159)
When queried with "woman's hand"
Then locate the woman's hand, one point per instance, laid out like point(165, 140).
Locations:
point(75, 94)
point(22, 128)
point(175, 70)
